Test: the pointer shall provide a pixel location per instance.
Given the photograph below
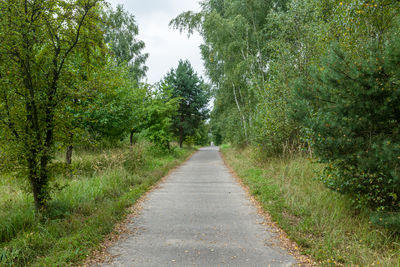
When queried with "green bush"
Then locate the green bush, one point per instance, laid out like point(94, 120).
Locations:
point(352, 121)
point(387, 220)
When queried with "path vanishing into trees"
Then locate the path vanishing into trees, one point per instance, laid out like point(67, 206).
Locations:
point(200, 216)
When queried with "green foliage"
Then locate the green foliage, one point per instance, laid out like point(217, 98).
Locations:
point(203, 134)
point(39, 42)
point(356, 126)
point(157, 115)
point(110, 111)
point(240, 50)
point(345, 110)
point(113, 101)
point(387, 220)
point(60, 87)
point(193, 95)
point(120, 33)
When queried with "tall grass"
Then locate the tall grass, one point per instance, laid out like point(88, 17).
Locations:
point(88, 199)
point(322, 222)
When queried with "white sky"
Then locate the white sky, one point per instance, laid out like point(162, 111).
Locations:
point(164, 45)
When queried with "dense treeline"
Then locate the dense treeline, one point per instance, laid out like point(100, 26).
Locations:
point(71, 75)
point(315, 75)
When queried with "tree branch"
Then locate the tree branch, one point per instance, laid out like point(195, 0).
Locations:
point(87, 8)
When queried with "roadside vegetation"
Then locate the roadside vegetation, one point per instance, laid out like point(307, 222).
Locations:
point(288, 77)
point(323, 223)
point(319, 78)
point(89, 197)
point(82, 137)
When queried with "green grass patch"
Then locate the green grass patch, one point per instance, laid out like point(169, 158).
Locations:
point(322, 222)
point(89, 198)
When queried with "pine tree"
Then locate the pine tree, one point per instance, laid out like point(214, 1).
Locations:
point(355, 128)
point(193, 93)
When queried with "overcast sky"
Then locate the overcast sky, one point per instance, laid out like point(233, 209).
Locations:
point(164, 45)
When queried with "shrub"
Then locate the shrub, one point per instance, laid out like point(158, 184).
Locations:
point(353, 124)
point(387, 220)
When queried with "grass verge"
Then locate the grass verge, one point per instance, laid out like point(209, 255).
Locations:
point(87, 201)
point(322, 222)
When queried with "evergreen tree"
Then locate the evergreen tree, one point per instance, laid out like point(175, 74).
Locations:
point(353, 124)
point(194, 95)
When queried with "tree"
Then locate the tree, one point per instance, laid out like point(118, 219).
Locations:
point(110, 113)
point(236, 60)
point(38, 40)
point(345, 107)
point(156, 116)
point(120, 33)
point(108, 104)
point(194, 95)
point(355, 130)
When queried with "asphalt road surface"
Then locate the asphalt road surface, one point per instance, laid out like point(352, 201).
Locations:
point(199, 217)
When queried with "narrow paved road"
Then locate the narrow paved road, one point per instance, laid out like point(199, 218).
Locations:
point(199, 217)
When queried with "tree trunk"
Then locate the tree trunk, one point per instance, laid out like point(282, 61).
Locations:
point(39, 180)
point(181, 137)
point(40, 201)
point(243, 120)
point(35, 188)
point(68, 155)
point(131, 139)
